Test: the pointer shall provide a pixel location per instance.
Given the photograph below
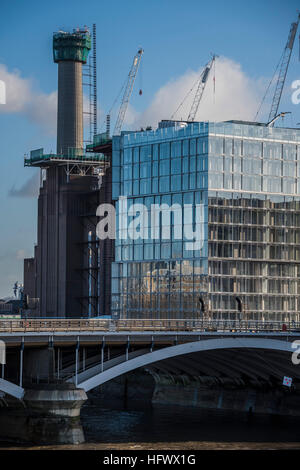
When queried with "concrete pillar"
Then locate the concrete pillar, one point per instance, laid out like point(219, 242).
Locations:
point(39, 366)
point(47, 415)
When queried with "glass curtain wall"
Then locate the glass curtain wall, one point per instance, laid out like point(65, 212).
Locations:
point(247, 179)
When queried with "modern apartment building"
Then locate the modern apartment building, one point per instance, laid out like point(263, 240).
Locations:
point(238, 186)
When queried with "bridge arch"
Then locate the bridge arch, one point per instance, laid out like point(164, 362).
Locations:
point(180, 350)
point(11, 389)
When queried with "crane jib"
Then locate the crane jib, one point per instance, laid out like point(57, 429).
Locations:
point(128, 90)
point(283, 71)
point(205, 74)
point(292, 36)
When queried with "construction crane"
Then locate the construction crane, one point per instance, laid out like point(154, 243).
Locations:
point(128, 91)
point(280, 115)
point(200, 89)
point(283, 70)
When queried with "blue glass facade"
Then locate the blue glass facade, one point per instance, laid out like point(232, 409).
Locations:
point(239, 187)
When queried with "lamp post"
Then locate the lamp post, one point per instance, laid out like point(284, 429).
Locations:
point(202, 309)
point(240, 309)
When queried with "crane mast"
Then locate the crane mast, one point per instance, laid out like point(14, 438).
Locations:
point(128, 91)
point(283, 70)
point(200, 89)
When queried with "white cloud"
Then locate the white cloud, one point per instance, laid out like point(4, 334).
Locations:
point(236, 96)
point(132, 116)
point(29, 189)
point(18, 90)
point(21, 98)
point(42, 110)
point(21, 254)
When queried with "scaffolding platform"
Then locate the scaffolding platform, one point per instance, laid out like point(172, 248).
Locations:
point(39, 159)
point(100, 141)
point(75, 163)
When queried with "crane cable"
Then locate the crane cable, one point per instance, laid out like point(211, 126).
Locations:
point(185, 97)
point(141, 79)
point(115, 101)
point(268, 87)
point(214, 82)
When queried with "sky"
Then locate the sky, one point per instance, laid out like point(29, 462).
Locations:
point(178, 39)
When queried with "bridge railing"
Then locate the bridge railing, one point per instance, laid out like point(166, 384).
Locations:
point(164, 325)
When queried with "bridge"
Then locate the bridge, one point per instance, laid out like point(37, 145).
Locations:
point(83, 354)
point(107, 324)
point(137, 343)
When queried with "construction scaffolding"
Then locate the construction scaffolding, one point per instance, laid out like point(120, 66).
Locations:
point(90, 84)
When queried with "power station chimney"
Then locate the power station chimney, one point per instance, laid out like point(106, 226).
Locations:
point(58, 274)
point(70, 51)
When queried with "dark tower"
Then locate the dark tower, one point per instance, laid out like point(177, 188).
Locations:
point(64, 275)
point(70, 51)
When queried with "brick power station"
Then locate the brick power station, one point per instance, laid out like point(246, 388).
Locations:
point(69, 275)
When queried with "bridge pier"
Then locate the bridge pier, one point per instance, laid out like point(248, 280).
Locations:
point(48, 414)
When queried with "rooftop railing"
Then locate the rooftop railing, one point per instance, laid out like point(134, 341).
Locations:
point(242, 130)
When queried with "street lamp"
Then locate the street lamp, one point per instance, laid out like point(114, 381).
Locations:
point(240, 307)
point(202, 307)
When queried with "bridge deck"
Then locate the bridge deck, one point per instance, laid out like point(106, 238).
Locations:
point(139, 338)
point(142, 325)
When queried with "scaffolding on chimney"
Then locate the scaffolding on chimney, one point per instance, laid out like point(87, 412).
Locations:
point(90, 83)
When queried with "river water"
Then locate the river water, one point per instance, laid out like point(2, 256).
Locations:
point(135, 427)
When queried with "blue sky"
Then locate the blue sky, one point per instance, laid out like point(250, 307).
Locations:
point(177, 37)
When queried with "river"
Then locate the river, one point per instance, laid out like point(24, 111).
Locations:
point(114, 426)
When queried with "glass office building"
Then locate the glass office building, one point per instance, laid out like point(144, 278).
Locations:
point(245, 180)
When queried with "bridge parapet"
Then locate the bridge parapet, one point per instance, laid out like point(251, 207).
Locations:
point(155, 325)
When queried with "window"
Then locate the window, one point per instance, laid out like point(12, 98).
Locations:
point(165, 150)
point(127, 155)
point(185, 148)
point(145, 153)
point(252, 148)
point(175, 183)
point(164, 167)
point(176, 149)
point(176, 166)
point(145, 170)
point(216, 146)
point(193, 147)
point(164, 184)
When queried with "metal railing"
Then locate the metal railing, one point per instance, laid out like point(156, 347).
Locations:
point(155, 325)
point(82, 158)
